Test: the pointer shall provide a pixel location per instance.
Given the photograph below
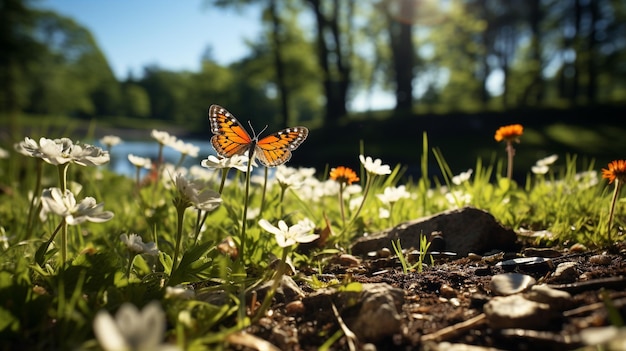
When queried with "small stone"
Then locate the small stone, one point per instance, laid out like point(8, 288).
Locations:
point(378, 316)
point(349, 260)
point(565, 273)
point(474, 257)
point(447, 291)
point(602, 260)
point(557, 299)
point(294, 307)
point(578, 248)
point(528, 264)
point(384, 252)
point(510, 283)
point(515, 311)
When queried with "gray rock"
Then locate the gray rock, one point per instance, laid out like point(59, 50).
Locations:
point(565, 273)
point(515, 311)
point(557, 299)
point(510, 283)
point(378, 315)
point(464, 230)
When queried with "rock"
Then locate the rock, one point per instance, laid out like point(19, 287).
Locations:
point(557, 299)
point(510, 283)
point(528, 264)
point(605, 338)
point(565, 273)
point(378, 315)
point(464, 230)
point(602, 260)
point(515, 311)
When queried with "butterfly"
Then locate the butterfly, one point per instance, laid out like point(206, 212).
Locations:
point(232, 139)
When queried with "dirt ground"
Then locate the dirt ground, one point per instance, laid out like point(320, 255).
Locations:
point(451, 292)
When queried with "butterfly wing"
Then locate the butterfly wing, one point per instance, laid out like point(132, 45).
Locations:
point(275, 149)
point(230, 137)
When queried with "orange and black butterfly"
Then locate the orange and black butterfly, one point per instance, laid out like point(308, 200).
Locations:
point(232, 139)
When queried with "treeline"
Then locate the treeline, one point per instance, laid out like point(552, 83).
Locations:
point(314, 56)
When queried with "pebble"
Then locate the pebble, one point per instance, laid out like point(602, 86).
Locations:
point(378, 316)
point(514, 311)
point(578, 248)
point(349, 260)
point(294, 307)
point(384, 252)
point(528, 264)
point(447, 291)
point(510, 283)
point(602, 260)
point(557, 299)
point(565, 273)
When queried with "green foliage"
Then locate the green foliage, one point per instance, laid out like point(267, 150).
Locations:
point(101, 273)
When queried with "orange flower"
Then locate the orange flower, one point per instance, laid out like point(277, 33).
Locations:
point(509, 133)
point(617, 169)
point(343, 175)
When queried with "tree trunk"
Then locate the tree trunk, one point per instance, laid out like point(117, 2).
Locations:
point(403, 50)
point(279, 65)
point(336, 72)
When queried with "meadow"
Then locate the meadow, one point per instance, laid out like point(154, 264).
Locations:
point(169, 259)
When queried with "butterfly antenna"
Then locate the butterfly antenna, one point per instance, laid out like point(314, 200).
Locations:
point(255, 136)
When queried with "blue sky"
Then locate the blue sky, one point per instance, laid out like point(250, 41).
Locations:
point(171, 34)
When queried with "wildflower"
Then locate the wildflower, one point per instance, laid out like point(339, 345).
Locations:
point(185, 148)
point(135, 245)
point(3, 153)
point(543, 166)
point(344, 175)
point(192, 194)
point(394, 194)
point(509, 133)
point(237, 161)
point(132, 329)
point(374, 166)
point(64, 205)
point(288, 177)
point(287, 236)
point(163, 138)
point(462, 177)
point(140, 162)
point(62, 151)
point(110, 140)
point(547, 161)
point(615, 173)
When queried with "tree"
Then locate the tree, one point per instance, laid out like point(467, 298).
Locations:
point(19, 52)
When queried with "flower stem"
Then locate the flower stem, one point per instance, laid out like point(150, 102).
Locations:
point(368, 185)
point(33, 200)
point(341, 205)
point(179, 236)
point(130, 265)
point(264, 191)
point(510, 150)
point(62, 168)
point(245, 208)
point(278, 277)
point(618, 186)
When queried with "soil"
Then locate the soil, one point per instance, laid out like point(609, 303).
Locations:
point(450, 292)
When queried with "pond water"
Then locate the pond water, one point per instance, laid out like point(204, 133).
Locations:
point(150, 149)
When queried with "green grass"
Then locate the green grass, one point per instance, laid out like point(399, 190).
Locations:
point(46, 303)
